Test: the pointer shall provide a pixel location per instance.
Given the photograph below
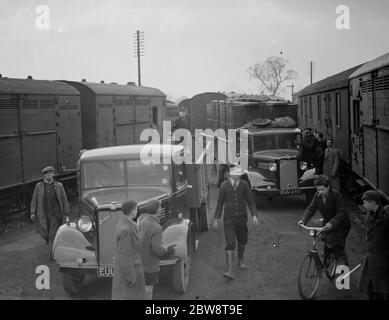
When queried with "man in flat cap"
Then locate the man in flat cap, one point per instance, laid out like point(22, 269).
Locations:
point(234, 195)
point(374, 278)
point(49, 207)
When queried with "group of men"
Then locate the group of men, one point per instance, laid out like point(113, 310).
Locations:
point(235, 195)
point(320, 153)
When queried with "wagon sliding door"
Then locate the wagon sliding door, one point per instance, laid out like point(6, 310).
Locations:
point(10, 148)
point(38, 136)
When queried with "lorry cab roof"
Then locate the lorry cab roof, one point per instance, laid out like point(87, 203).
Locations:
point(130, 152)
point(271, 131)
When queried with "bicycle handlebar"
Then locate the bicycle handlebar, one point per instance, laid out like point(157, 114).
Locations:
point(311, 228)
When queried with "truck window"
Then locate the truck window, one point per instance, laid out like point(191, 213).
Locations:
point(287, 141)
point(264, 142)
point(104, 174)
point(140, 174)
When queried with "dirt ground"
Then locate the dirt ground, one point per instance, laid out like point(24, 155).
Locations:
point(274, 252)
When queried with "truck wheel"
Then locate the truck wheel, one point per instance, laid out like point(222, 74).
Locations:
point(258, 199)
point(203, 218)
point(309, 196)
point(72, 282)
point(181, 269)
point(181, 275)
point(194, 217)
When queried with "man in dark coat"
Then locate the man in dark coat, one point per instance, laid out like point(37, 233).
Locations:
point(181, 122)
point(152, 249)
point(331, 164)
point(336, 222)
point(234, 196)
point(49, 207)
point(374, 278)
point(128, 281)
point(321, 146)
point(309, 147)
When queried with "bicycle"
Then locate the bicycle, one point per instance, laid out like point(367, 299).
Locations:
point(312, 266)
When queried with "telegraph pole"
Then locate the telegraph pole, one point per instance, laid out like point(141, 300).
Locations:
point(291, 86)
point(311, 71)
point(139, 50)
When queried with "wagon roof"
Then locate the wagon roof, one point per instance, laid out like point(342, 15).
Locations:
point(39, 87)
point(130, 151)
point(339, 80)
point(120, 89)
point(377, 63)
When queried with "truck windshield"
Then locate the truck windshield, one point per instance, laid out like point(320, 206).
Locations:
point(140, 174)
point(276, 141)
point(104, 174)
point(112, 174)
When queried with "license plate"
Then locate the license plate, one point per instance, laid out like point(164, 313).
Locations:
point(290, 191)
point(104, 272)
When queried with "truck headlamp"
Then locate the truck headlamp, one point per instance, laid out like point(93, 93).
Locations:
point(272, 166)
point(303, 165)
point(84, 224)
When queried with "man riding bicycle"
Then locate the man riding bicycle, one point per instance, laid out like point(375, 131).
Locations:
point(336, 223)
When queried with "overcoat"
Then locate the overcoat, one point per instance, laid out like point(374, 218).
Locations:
point(128, 278)
point(375, 263)
point(331, 167)
point(38, 206)
point(332, 211)
point(150, 234)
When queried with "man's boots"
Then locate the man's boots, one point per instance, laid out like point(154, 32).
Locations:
point(229, 274)
point(241, 264)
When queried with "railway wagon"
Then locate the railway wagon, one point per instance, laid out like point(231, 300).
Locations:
point(324, 106)
point(369, 116)
point(197, 108)
point(40, 124)
point(114, 114)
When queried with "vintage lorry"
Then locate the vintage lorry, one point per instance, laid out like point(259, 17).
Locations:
point(273, 149)
point(109, 176)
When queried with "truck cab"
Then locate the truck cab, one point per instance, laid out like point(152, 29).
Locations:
point(275, 165)
point(109, 176)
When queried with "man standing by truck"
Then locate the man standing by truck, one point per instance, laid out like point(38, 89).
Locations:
point(234, 195)
point(49, 207)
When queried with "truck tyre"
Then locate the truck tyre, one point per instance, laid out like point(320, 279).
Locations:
point(181, 269)
point(203, 218)
point(309, 196)
point(72, 282)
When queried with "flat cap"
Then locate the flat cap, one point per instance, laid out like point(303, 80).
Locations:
point(152, 206)
point(236, 171)
point(372, 195)
point(48, 169)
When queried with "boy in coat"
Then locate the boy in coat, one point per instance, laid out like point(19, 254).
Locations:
point(49, 207)
point(374, 278)
point(336, 223)
point(150, 233)
point(234, 195)
point(128, 279)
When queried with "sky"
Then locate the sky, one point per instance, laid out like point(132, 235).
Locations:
point(191, 46)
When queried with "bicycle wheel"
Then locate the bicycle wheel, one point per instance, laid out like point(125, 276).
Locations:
point(309, 276)
point(329, 263)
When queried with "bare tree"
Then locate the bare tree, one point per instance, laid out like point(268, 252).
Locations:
point(271, 74)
